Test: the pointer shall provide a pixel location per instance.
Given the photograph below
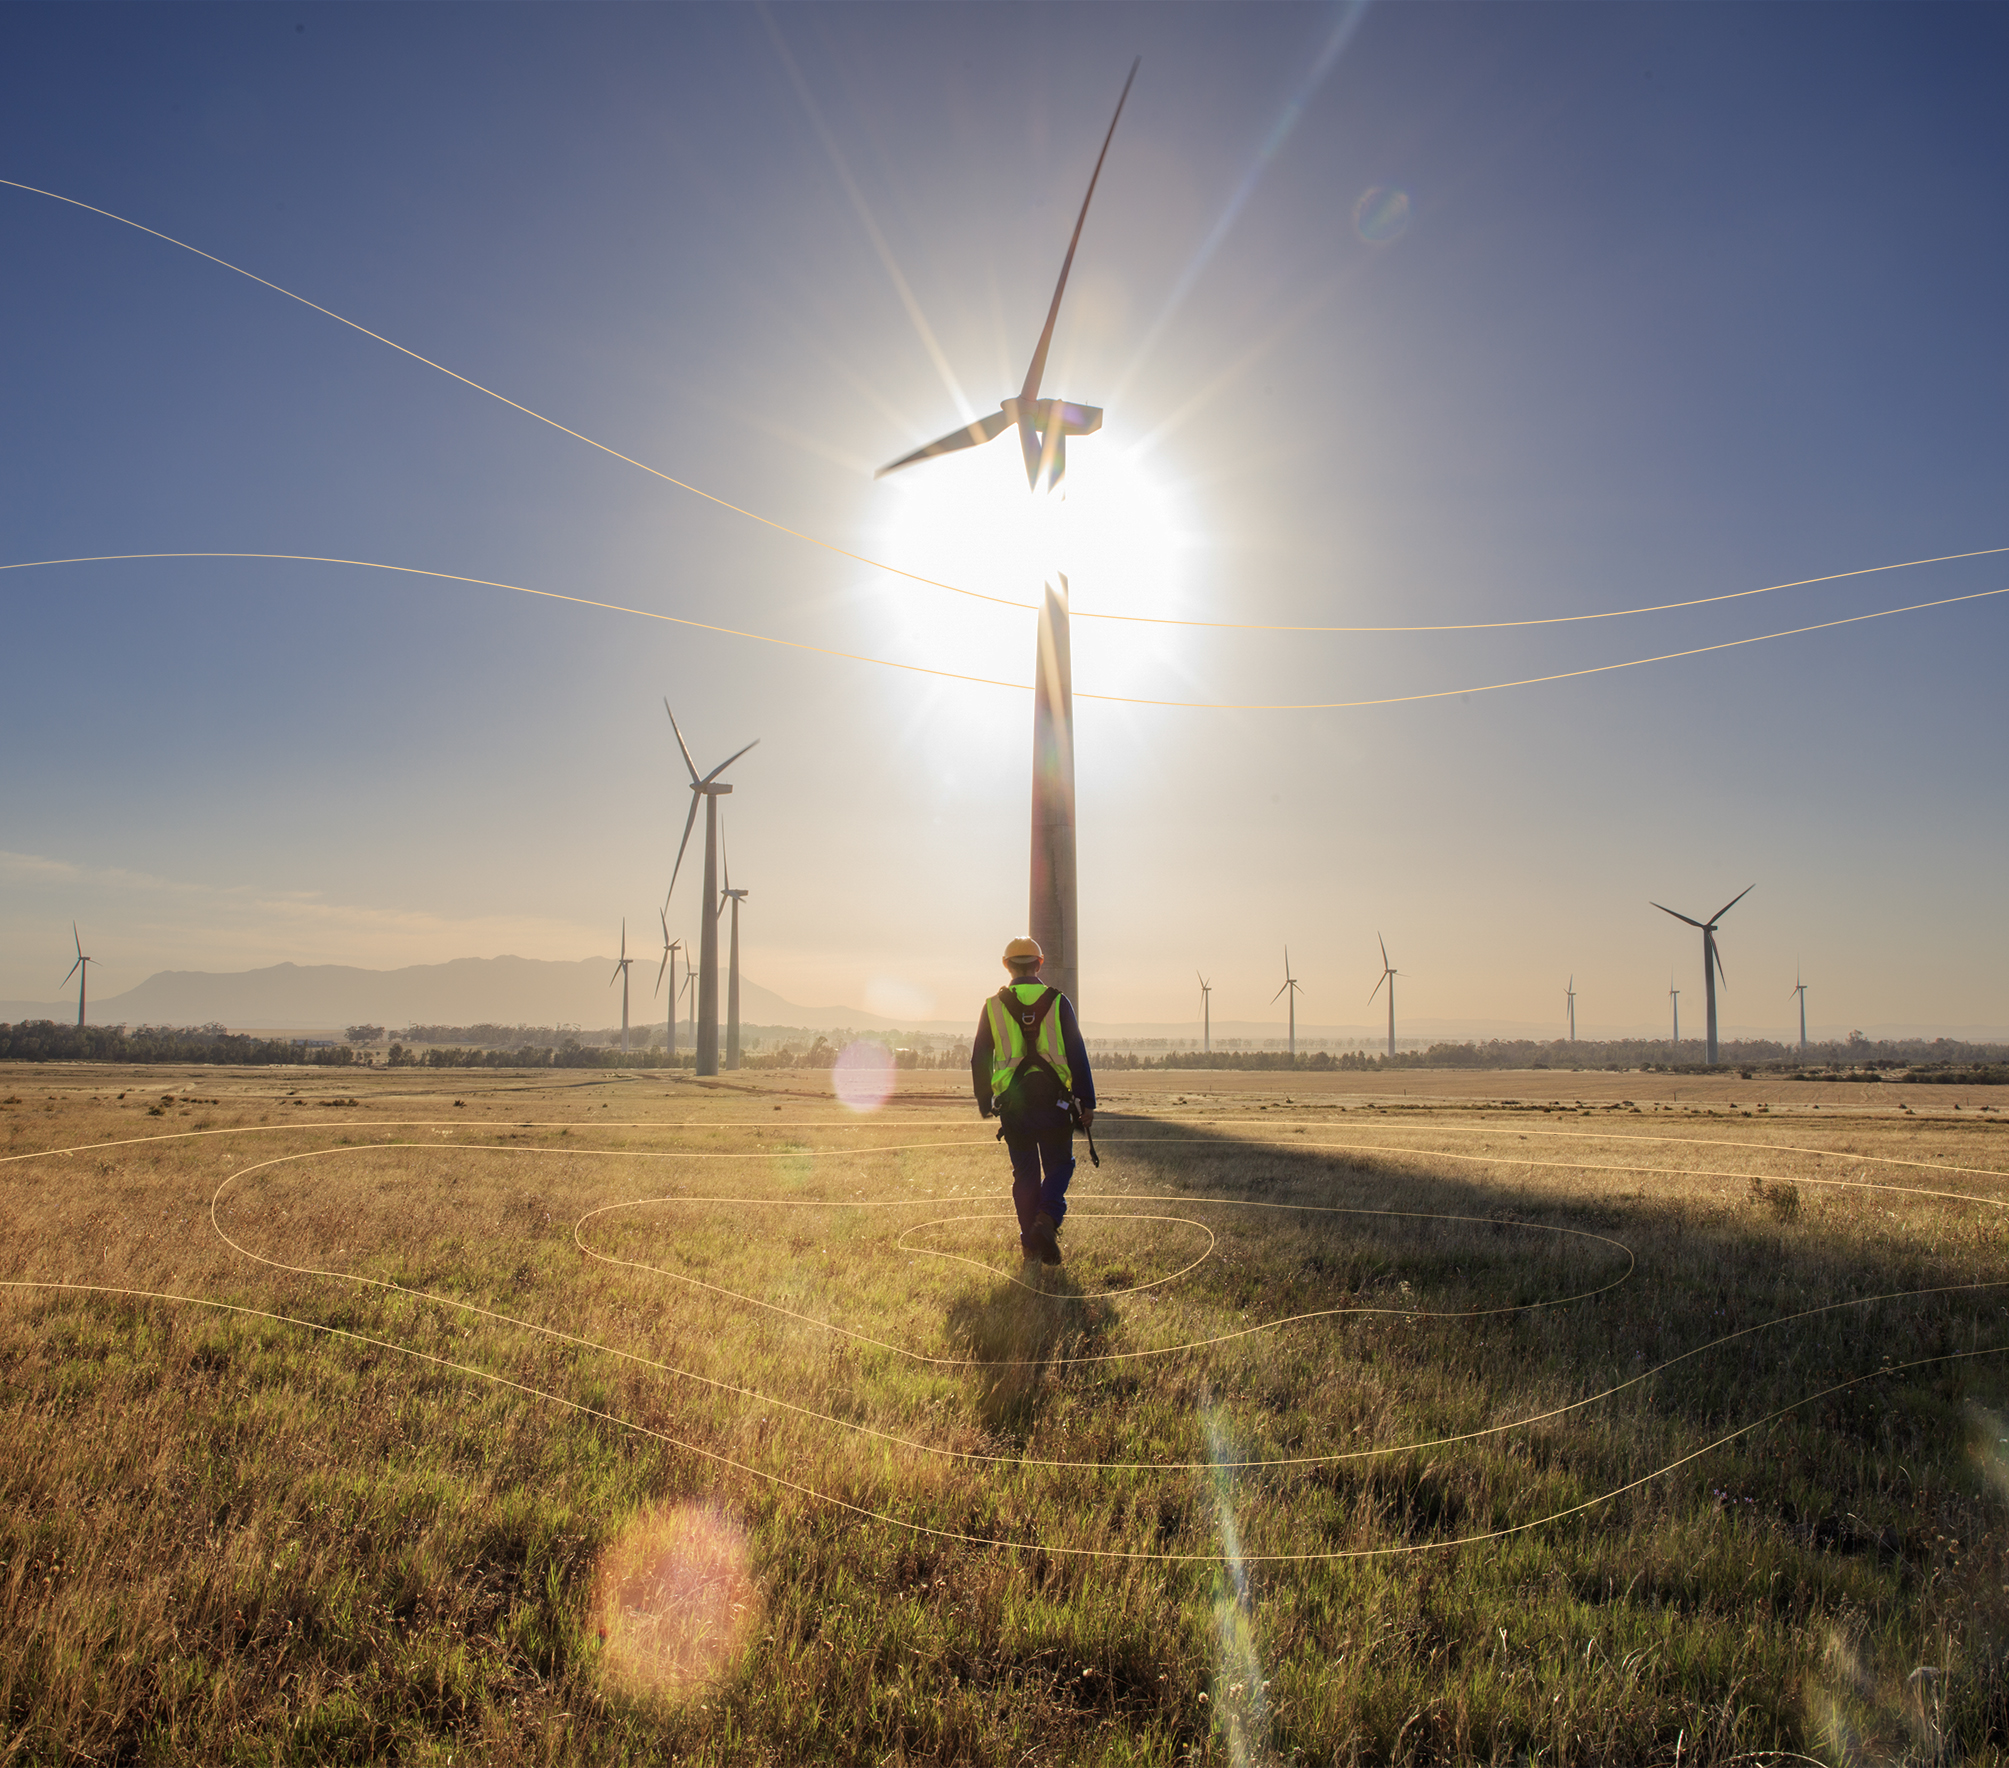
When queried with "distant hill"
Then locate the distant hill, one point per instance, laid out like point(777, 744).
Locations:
point(466, 991)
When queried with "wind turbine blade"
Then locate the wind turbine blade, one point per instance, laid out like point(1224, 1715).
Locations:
point(681, 744)
point(1384, 951)
point(74, 968)
point(1376, 989)
point(1731, 904)
point(974, 435)
point(727, 762)
point(77, 939)
point(689, 821)
point(1037, 371)
point(1278, 995)
point(1665, 910)
point(667, 949)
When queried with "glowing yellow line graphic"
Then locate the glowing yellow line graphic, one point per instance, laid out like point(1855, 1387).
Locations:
point(1493, 687)
point(915, 576)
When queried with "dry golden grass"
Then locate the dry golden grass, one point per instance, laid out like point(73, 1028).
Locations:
point(1373, 1418)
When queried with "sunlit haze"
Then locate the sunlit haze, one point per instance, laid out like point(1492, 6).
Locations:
point(1466, 316)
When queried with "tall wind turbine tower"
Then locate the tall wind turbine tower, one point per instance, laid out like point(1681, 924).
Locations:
point(81, 970)
point(1043, 428)
point(1712, 959)
point(735, 897)
point(621, 970)
point(1207, 1008)
point(709, 790)
point(670, 949)
point(1571, 993)
point(1388, 975)
point(1674, 995)
point(1290, 988)
point(1800, 989)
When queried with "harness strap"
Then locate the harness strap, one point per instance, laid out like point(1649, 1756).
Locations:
point(1030, 1019)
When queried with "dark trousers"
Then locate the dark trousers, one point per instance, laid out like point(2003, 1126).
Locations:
point(1042, 1162)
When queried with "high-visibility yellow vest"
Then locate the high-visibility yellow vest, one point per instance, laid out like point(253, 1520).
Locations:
point(1007, 1012)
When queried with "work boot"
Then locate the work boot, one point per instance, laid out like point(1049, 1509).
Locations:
point(1044, 1237)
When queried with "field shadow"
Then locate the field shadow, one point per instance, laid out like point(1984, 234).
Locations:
point(1730, 1296)
point(1016, 1331)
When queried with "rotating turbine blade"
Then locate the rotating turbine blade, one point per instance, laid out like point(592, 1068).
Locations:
point(667, 949)
point(1279, 995)
point(1665, 910)
point(77, 939)
point(727, 762)
point(1731, 904)
point(681, 744)
point(74, 968)
point(1037, 371)
point(689, 821)
point(1384, 951)
point(973, 435)
point(1376, 989)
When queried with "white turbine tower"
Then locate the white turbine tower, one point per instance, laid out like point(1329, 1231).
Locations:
point(621, 970)
point(670, 949)
point(735, 897)
point(1388, 975)
point(1290, 988)
point(1674, 995)
point(1571, 994)
point(1800, 989)
point(1712, 959)
point(81, 969)
point(1043, 428)
point(708, 790)
point(1207, 1010)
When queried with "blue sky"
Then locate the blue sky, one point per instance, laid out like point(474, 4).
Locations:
point(1690, 300)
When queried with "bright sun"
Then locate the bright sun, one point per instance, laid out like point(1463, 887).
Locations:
point(968, 519)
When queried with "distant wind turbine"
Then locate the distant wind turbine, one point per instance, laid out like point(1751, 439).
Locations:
point(81, 969)
point(1207, 1008)
point(1712, 959)
point(1674, 995)
point(1043, 428)
point(1388, 975)
point(1290, 988)
point(670, 949)
point(735, 897)
point(709, 789)
point(621, 970)
point(1571, 992)
point(1800, 989)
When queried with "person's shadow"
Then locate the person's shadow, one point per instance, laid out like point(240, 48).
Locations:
point(1015, 1330)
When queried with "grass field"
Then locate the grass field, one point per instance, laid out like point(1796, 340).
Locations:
point(1431, 1418)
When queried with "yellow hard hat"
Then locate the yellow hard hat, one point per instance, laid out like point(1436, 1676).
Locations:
point(1020, 950)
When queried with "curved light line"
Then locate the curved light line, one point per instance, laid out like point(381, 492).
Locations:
point(895, 570)
point(987, 681)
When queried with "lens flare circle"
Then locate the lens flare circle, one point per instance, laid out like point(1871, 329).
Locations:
point(673, 1600)
point(1381, 214)
point(862, 1077)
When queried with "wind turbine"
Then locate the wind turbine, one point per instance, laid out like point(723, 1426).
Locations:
point(1290, 987)
point(1207, 1008)
point(81, 969)
point(690, 994)
point(1712, 959)
point(1674, 995)
point(670, 949)
point(1800, 989)
point(1043, 428)
point(709, 789)
point(735, 897)
point(1388, 975)
point(621, 970)
point(1571, 992)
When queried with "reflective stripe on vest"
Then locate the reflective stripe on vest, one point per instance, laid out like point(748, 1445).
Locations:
point(1008, 1035)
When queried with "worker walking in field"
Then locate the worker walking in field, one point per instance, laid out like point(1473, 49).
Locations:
point(1030, 1070)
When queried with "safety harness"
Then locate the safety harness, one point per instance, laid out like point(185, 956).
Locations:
point(1030, 1018)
